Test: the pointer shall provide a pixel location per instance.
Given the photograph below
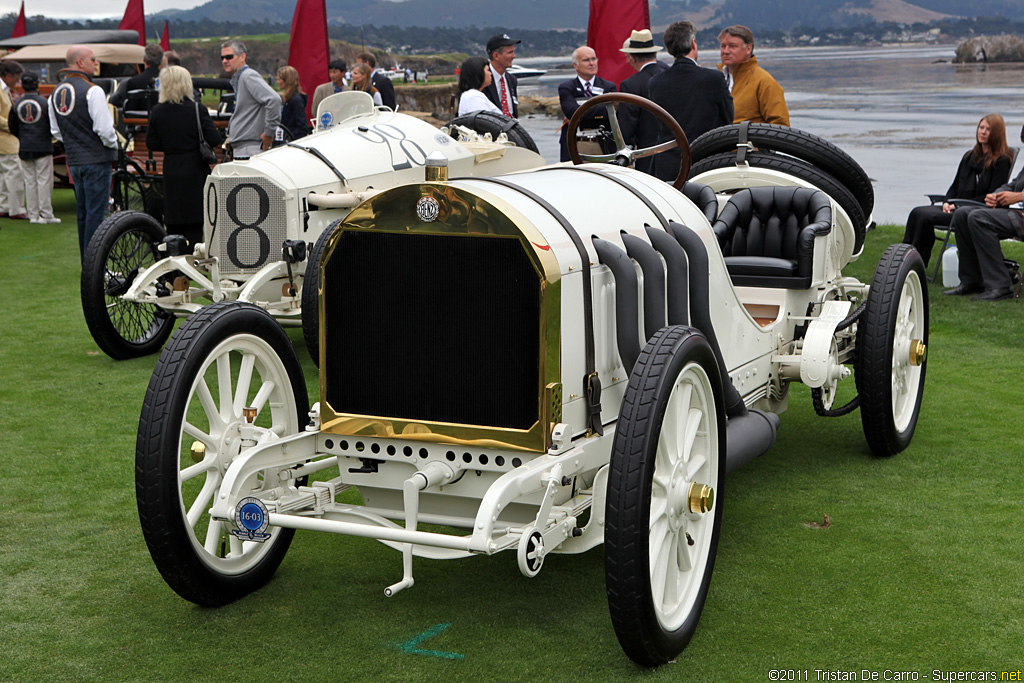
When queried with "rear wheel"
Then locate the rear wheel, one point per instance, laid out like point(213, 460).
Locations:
point(662, 519)
point(127, 192)
point(892, 342)
point(227, 357)
point(123, 246)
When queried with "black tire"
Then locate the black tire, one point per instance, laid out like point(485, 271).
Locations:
point(164, 495)
point(889, 384)
point(794, 142)
point(649, 632)
point(127, 192)
point(310, 293)
point(496, 124)
point(800, 169)
point(124, 245)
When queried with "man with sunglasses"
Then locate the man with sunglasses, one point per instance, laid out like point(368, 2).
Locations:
point(257, 107)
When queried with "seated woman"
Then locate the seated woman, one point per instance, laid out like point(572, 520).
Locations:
point(361, 80)
point(293, 107)
point(474, 76)
point(981, 170)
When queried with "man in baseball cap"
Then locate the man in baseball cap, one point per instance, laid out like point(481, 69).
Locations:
point(501, 50)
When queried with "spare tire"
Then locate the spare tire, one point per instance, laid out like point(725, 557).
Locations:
point(801, 169)
point(794, 142)
point(496, 124)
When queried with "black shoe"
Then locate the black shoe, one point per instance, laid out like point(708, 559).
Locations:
point(994, 295)
point(963, 290)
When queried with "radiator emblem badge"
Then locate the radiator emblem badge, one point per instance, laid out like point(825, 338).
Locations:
point(427, 209)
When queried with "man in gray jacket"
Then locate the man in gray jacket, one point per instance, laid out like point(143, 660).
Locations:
point(257, 107)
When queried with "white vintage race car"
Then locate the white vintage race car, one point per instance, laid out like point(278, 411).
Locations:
point(541, 362)
point(136, 279)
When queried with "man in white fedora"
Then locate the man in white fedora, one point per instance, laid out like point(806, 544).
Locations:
point(640, 127)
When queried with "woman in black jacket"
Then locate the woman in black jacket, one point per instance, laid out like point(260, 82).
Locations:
point(981, 170)
point(293, 107)
point(175, 126)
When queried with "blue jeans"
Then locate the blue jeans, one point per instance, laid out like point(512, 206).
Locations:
point(92, 199)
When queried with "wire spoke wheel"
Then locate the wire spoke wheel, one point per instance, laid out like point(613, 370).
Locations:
point(123, 246)
point(127, 192)
point(226, 361)
point(663, 513)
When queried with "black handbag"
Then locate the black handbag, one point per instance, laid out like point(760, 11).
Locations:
point(205, 151)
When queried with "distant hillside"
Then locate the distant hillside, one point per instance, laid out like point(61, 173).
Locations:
point(762, 15)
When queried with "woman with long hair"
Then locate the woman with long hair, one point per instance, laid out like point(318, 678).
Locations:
point(361, 80)
point(982, 169)
point(176, 126)
point(293, 107)
point(474, 76)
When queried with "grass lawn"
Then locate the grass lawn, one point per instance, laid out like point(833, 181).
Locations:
point(920, 569)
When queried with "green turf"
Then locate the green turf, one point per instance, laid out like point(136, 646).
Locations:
point(919, 570)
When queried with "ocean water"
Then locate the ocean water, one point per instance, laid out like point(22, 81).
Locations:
point(905, 113)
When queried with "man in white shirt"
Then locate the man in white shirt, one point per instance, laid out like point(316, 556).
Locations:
point(12, 181)
point(501, 51)
point(573, 92)
point(90, 142)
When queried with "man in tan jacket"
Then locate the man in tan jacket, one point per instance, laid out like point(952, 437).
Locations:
point(756, 96)
point(12, 182)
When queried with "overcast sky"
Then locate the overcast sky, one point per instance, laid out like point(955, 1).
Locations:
point(91, 9)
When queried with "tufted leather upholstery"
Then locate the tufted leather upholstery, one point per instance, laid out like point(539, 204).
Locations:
point(704, 197)
point(767, 235)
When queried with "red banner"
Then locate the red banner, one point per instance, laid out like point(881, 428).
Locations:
point(165, 39)
point(308, 50)
point(134, 20)
point(19, 25)
point(611, 22)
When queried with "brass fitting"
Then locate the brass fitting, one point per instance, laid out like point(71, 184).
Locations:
point(198, 451)
point(249, 413)
point(700, 497)
point(918, 352)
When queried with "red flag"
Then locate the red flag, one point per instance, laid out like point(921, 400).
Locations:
point(611, 22)
point(134, 20)
point(165, 39)
point(308, 50)
point(19, 25)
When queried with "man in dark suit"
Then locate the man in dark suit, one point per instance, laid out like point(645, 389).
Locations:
point(501, 50)
point(640, 127)
point(575, 91)
point(978, 233)
point(697, 98)
point(152, 57)
point(379, 81)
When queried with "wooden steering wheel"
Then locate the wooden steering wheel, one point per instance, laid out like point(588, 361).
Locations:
point(623, 155)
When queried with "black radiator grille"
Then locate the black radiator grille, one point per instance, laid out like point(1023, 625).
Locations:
point(433, 328)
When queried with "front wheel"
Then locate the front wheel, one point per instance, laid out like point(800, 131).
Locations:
point(124, 245)
point(662, 516)
point(225, 359)
point(892, 342)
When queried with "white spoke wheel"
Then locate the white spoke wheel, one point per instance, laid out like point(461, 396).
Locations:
point(892, 340)
point(664, 512)
point(124, 245)
point(227, 357)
